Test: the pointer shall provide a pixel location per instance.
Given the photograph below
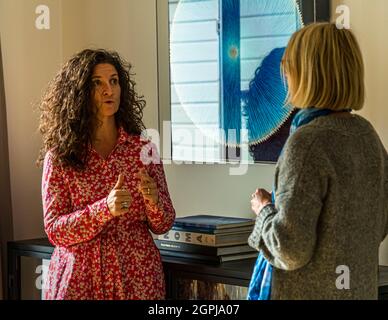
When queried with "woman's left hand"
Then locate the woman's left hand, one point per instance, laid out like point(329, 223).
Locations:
point(260, 199)
point(148, 187)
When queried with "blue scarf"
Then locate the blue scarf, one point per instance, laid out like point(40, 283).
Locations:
point(260, 284)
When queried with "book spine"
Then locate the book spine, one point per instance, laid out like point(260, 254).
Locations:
point(194, 229)
point(185, 255)
point(195, 225)
point(189, 237)
point(186, 247)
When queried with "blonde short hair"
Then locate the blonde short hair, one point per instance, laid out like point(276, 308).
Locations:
point(324, 68)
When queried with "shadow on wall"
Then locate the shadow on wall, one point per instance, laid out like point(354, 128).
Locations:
point(6, 229)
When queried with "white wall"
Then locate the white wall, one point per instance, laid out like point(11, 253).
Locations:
point(30, 59)
point(369, 21)
point(127, 26)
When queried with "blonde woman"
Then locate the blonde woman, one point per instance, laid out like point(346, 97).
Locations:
point(320, 235)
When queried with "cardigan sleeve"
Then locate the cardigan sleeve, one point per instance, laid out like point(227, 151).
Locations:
point(160, 217)
point(63, 226)
point(286, 232)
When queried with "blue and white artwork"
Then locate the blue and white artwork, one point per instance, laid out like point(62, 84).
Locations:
point(225, 58)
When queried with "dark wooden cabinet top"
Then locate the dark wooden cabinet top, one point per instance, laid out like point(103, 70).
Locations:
point(241, 269)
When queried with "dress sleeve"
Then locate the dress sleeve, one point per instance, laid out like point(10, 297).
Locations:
point(64, 227)
point(160, 217)
point(286, 232)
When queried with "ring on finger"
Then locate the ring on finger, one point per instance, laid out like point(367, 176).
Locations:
point(124, 205)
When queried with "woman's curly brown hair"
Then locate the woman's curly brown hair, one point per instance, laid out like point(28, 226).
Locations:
point(68, 119)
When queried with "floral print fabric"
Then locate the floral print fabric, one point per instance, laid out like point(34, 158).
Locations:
point(97, 255)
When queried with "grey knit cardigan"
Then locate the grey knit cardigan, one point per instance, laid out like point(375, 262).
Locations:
point(331, 213)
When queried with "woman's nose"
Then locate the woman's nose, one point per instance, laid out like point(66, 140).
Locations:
point(107, 90)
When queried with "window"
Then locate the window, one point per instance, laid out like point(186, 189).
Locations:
point(195, 80)
point(225, 83)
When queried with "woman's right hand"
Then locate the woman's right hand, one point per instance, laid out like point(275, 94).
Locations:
point(259, 200)
point(119, 200)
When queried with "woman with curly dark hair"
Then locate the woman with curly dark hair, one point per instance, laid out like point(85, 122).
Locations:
point(103, 186)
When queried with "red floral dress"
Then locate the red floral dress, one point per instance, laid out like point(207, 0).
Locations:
point(97, 255)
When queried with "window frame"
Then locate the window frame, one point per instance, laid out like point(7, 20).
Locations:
point(312, 11)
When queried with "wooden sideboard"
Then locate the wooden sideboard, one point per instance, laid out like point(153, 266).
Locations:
point(185, 279)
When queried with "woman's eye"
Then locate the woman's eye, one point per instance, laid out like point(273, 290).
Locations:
point(96, 83)
point(114, 81)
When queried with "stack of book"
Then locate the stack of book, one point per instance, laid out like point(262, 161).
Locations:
point(208, 238)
